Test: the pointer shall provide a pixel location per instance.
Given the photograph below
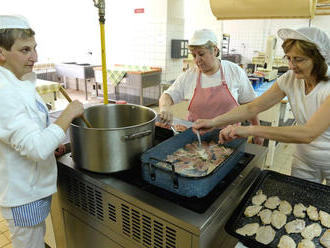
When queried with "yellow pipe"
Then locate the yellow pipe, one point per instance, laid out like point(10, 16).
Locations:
point(104, 66)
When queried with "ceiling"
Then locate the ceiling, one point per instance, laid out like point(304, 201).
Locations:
point(266, 9)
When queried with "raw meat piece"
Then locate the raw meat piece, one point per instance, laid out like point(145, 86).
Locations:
point(312, 213)
point(285, 207)
point(265, 234)
point(306, 243)
point(299, 210)
point(265, 216)
point(180, 127)
point(252, 210)
point(189, 161)
point(295, 226)
point(278, 219)
point(177, 127)
point(325, 218)
point(259, 198)
point(286, 242)
point(311, 231)
point(272, 202)
point(162, 125)
point(248, 229)
point(325, 239)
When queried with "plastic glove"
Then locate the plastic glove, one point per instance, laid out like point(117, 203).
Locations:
point(166, 115)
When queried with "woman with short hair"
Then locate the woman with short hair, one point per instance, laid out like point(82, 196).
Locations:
point(28, 169)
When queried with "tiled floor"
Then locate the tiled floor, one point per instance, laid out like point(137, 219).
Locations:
point(282, 161)
point(4, 234)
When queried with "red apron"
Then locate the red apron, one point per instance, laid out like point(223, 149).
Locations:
point(208, 103)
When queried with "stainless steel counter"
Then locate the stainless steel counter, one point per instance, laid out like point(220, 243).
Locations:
point(95, 210)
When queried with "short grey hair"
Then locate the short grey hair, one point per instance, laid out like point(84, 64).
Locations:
point(208, 45)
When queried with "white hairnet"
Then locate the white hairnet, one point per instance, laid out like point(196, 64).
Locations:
point(202, 36)
point(310, 34)
point(13, 21)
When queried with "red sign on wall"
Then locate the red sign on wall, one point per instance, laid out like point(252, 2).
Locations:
point(139, 11)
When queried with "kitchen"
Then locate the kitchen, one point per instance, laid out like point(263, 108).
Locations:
point(156, 24)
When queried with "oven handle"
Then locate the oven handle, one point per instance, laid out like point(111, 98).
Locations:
point(174, 175)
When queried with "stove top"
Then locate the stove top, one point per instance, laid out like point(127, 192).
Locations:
point(195, 204)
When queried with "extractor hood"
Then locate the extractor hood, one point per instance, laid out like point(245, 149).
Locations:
point(263, 9)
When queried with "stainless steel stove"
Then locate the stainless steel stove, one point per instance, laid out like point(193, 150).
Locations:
point(121, 210)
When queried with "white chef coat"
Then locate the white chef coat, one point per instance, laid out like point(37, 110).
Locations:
point(236, 78)
point(303, 107)
point(28, 170)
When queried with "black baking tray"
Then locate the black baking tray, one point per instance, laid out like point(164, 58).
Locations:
point(292, 189)
point(162, 134)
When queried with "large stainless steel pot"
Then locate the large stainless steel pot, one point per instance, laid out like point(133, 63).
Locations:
point(119, 135)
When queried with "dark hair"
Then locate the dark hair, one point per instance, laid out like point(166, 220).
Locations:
point(310, 50)
point(9, 36)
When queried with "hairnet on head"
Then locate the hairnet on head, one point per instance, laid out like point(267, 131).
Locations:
point(202, 36)
point(13, 21)
point(310, 34)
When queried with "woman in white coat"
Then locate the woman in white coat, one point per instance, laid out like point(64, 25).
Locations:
point(307, 87)
point(28, 169)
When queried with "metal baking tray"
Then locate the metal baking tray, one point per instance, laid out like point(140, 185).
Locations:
point(292, 189)
point(181, 184)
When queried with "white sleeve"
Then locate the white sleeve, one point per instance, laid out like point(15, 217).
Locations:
point(22, 133)
point(284, 80)
point(246, 93)
point(176, 90)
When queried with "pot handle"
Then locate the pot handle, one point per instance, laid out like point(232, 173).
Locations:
point(137, 135)
point(173, 174)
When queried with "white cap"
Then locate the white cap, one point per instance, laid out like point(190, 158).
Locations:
point(13, 21)
point(313, 35)
point(202, 36)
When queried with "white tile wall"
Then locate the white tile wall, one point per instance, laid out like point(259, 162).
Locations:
point(142, 39)
point(137, 39)
point(249, 36)
point(198, 14)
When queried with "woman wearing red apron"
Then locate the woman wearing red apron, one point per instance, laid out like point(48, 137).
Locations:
point(219, 100)
point(213, 87)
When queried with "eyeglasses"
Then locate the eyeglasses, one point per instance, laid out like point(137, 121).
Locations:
point(294, 60)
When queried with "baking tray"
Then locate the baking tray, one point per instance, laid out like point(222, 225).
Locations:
point(292, 189)
point(185, 185)
point(162, 134)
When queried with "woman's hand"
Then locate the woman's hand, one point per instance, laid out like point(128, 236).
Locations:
point(166, 115)
point(203, 126)
point(232, 132)
point(60, 150)
point(75, 109)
